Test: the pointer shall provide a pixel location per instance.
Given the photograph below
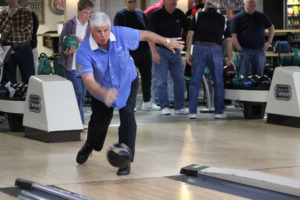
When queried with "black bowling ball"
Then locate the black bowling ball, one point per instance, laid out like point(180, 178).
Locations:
point(264, 82)
point(228, 72)
point(119, 155)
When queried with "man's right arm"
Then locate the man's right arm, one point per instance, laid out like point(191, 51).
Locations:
point(189, 39)
point(236, 42)
point(108, 95)
point(5, 22)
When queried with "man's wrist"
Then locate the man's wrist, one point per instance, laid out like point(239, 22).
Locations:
point(167, 42)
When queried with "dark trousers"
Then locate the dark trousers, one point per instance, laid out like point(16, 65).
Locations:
point(143, 61)
point(23, 58)
point(101, 118)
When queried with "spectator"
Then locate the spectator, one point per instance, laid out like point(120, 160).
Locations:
point(248, 34)
point(206, 34)
point(78, 26)
point(168, 21)
point(135, 18)
point(16, 27)
point(34, 41)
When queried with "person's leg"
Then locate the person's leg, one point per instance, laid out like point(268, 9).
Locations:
point(161, 74)
point(97, 130)
point(98, 124)
point(143, 62)
point(127, 129)
point(79, 89)
point(244, 61)
point(9, 71)
point(25, 61)
point(259, 62)
point(216, 67)
point(177, 73)
point(198, 66)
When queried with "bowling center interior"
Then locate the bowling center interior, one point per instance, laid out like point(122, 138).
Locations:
point(254, 153)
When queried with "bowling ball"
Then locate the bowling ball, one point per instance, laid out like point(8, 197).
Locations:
point(246, 83)
point(254, 79)
point(119, 155)
point(236, 80)
point(269, 71)
point(264, 82)
point(296, 59)
point(3, 91)
point(69, 41)
point(228, 72)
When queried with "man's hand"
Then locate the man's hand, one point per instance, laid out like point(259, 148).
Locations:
point(230, 62)
point(155, 57)
point(12, 12)
point(175, 43)
point(110, 96)
point(189, 59)
point(267, 44)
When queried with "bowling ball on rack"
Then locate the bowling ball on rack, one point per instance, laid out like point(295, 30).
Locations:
point(3, 91)
point(69, 41)
point(254, 79)
point(228, 72)
point(236, 81)
point(246, 83)
point(269, 71)
point(119, 155)
point(264, 82)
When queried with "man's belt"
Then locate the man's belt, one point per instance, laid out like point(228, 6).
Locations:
point(207, 43)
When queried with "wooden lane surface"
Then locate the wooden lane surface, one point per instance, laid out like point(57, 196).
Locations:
point(146, 189)
point(4, 196)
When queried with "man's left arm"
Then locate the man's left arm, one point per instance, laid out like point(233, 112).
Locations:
point(170, 43)
point(268, 43)
point(28, 23)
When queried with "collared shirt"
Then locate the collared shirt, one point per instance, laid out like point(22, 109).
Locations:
point(250, 29)
point(166, 24)
point(113, 68)
point(210, 27)
point(80, 32)
point(16, 29)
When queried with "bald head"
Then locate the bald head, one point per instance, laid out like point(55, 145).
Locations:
point(250, 6)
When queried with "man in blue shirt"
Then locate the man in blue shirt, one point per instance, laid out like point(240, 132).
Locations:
point(248, 35)
point(108, 72)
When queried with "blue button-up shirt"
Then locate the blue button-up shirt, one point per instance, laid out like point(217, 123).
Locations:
point(113, 68)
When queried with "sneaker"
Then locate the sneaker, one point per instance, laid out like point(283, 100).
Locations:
point(165, 111)
point(148, 106)
point(85, 127)
point(220, 116)
point(182, 111)
point(193, 116)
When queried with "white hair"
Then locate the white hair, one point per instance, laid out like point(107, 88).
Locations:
point(99, 19)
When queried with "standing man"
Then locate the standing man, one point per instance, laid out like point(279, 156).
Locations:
point(248, 34)
point(16, 30)
point(135, 18)
point(108, 72)
point(168, 21)
point(34, 41)
point(206, 33)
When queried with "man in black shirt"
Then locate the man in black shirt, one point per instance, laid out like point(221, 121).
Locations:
point(207, 33)
point(168, 21)
point(136, 18)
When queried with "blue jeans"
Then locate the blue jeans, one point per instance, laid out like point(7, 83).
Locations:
point(22, 57)
point(211, 56)
point(173, 63)
point(79, 88)
point(256, 57)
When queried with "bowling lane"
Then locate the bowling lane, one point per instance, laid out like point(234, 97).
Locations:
point(150, 189)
